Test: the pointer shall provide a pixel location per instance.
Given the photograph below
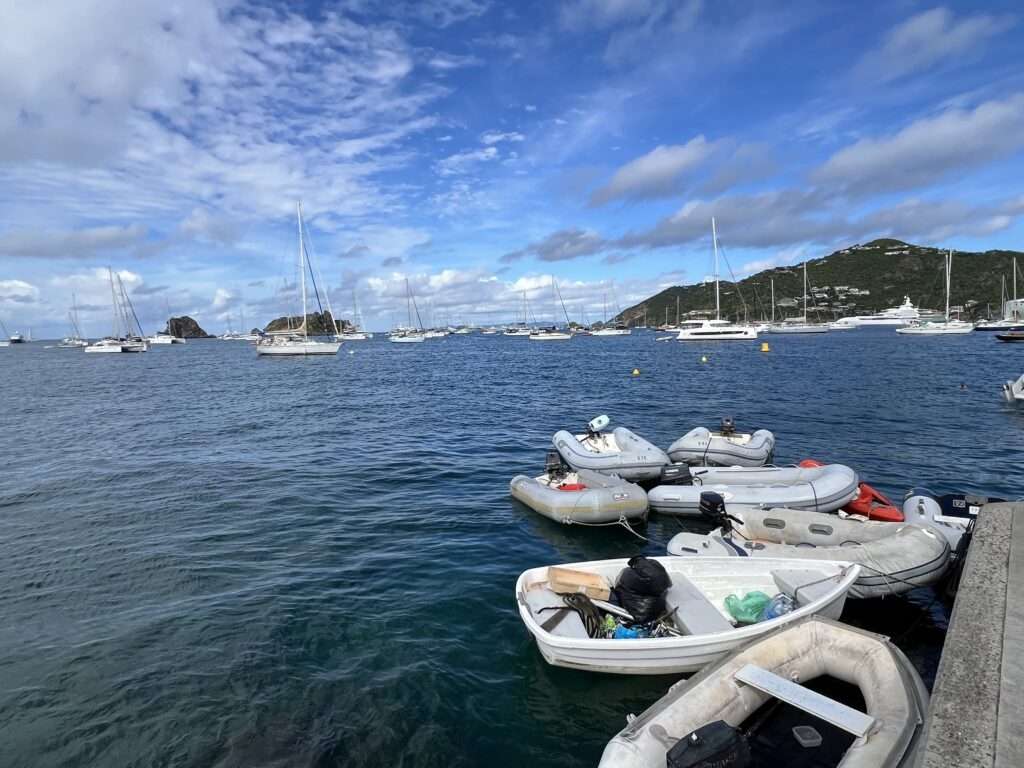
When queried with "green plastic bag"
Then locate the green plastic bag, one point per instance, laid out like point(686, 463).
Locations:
point(747, 610)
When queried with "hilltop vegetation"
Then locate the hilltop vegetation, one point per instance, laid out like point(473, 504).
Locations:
point(870, 277)
point(319, 324)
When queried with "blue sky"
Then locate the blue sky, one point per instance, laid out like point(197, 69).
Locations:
point(477, 148)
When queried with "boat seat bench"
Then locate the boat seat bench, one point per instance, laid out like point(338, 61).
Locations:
point(692, 612)
point(570, 624)
point(804, 585)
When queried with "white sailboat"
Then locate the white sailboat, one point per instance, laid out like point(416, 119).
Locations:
point(945, 327)
point(610, 330)
point(554, 333)
point(124, 337)
point(797, 324)
point(410, 334)
point(4, 340)
point(1012, 318)
point(298, 342)
point(357, 333)
point(717, 329)
point(165, 336)
point(75, 340)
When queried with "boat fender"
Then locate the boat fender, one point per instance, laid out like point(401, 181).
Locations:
point(572, 487)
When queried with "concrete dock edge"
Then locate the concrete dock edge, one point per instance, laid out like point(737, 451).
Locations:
point(977, 703)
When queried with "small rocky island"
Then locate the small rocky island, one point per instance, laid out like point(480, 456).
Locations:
point(186, 328)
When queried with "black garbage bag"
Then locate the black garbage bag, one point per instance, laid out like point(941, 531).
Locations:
point(640, 589)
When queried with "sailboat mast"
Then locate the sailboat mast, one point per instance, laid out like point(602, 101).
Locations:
point(714, 243)
point(773, 300)
point(113, 302)
point(408, 302)
point(949, 268)
point(302, 271)
point(805, 291)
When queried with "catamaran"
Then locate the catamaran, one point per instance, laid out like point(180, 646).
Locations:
point(298, 342)
point(944, 327)
point(1012, 319)
point(127, 333)
point(717, 329)
point(797, 324)
point(618, 329)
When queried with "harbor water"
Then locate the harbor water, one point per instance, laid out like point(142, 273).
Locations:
point(213, 559)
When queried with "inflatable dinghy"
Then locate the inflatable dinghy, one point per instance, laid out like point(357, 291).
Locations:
point(894, 557)
point(742, 710)
point(618, 452)
point(949, 515)
point(701, 629)
point(728, 448)
point(872, 504)
point(581, 496)
point(1013, 391)
point(820, 489)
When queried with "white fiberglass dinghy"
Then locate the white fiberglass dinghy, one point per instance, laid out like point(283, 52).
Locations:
point(825, 488)
point(727, 447)
point(895, 557)
point(580, 496)
point(764, 705)
point(619, 452)
point(1013, 391)
point(701, 630)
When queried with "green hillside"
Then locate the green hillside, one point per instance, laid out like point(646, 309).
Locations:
point(870, 277)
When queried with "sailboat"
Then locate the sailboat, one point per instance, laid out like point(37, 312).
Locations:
point(945, 327)
point(126, 335)
point(356, 333)
point(75, 340)
point(166, 336)
point(410, 334)
point(717, 329)
point(522, 329)
point(297, 342)
point(797, 324)
point(4, 340)
point(610, 330)
point(554, 333)
point(1012, 319)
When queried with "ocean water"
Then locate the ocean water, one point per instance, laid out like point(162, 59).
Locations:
point(210, 559)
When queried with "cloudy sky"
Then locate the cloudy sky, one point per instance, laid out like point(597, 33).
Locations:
point(477, 147)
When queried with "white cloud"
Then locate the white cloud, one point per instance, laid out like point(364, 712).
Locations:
point(18, 292)
point(78, 244)
point(224, 299)
point(496, 137)
point(927, 39)
point(928, 149)
point(448, 62)
point(530, 108)
point(656, 174)
point(463, 162)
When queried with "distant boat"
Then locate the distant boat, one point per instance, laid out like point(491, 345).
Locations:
point(356, 333)
point(905, 314)
point(944, 327)
point(75, 340)
point(409, 334)
point(5, 341)
point(618, 329)
point(126, 334)
point(798, 324)
point(298, 342)
point(717, 329)
point(1012, 320)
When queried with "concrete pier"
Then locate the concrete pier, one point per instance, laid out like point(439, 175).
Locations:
point(977, 705)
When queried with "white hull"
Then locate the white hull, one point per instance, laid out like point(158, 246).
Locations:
point(410, 339)
point(301, 348)
point(158, 339)
point(809, 328)
point(718, 332)
point(351, 337)
point(837, 326)
point(523, 332)
point(936, 329)
point(5, 343)
point(1013, 391)
point(550, 336)
point(716, 578)
point(611, 332)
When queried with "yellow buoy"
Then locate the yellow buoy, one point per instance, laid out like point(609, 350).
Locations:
point(765, 347)
point(703, 358)
point(636, 371)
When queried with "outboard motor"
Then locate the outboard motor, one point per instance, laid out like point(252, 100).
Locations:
point(712, 508)
point(554, 466)
point(675, 474)
point(728, 426)
point(594, 426)
point(710, 746)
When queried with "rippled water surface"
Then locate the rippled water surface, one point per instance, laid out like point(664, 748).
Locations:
point(209, 559)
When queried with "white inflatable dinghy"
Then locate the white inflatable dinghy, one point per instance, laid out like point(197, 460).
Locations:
point(765, 704)
point(727, 447)
point(701, 628)
point(581, 496)
point(821, 489)
point(619, 452)
point(949, 515)
point(895, 557)
point(1013, 391)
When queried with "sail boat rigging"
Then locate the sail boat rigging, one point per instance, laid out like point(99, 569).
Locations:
point(298, 341)
point(946, 327)
point(410, 334)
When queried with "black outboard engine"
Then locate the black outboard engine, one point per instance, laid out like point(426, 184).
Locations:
point(728, 426)
point(711, 746)
point(554, 466)
point(712, 508)
point(676, 474)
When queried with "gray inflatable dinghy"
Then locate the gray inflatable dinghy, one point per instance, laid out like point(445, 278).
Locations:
point(819, 489)
point(729, 448)
point(618, 452)
point(581, 496)
point(894, 557)
point(720, 714)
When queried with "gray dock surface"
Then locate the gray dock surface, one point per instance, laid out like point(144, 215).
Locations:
point(976, 716)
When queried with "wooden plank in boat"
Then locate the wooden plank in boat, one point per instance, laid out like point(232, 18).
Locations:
point(829, 710)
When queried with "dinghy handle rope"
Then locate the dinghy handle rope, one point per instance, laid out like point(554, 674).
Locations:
point(621, 521)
